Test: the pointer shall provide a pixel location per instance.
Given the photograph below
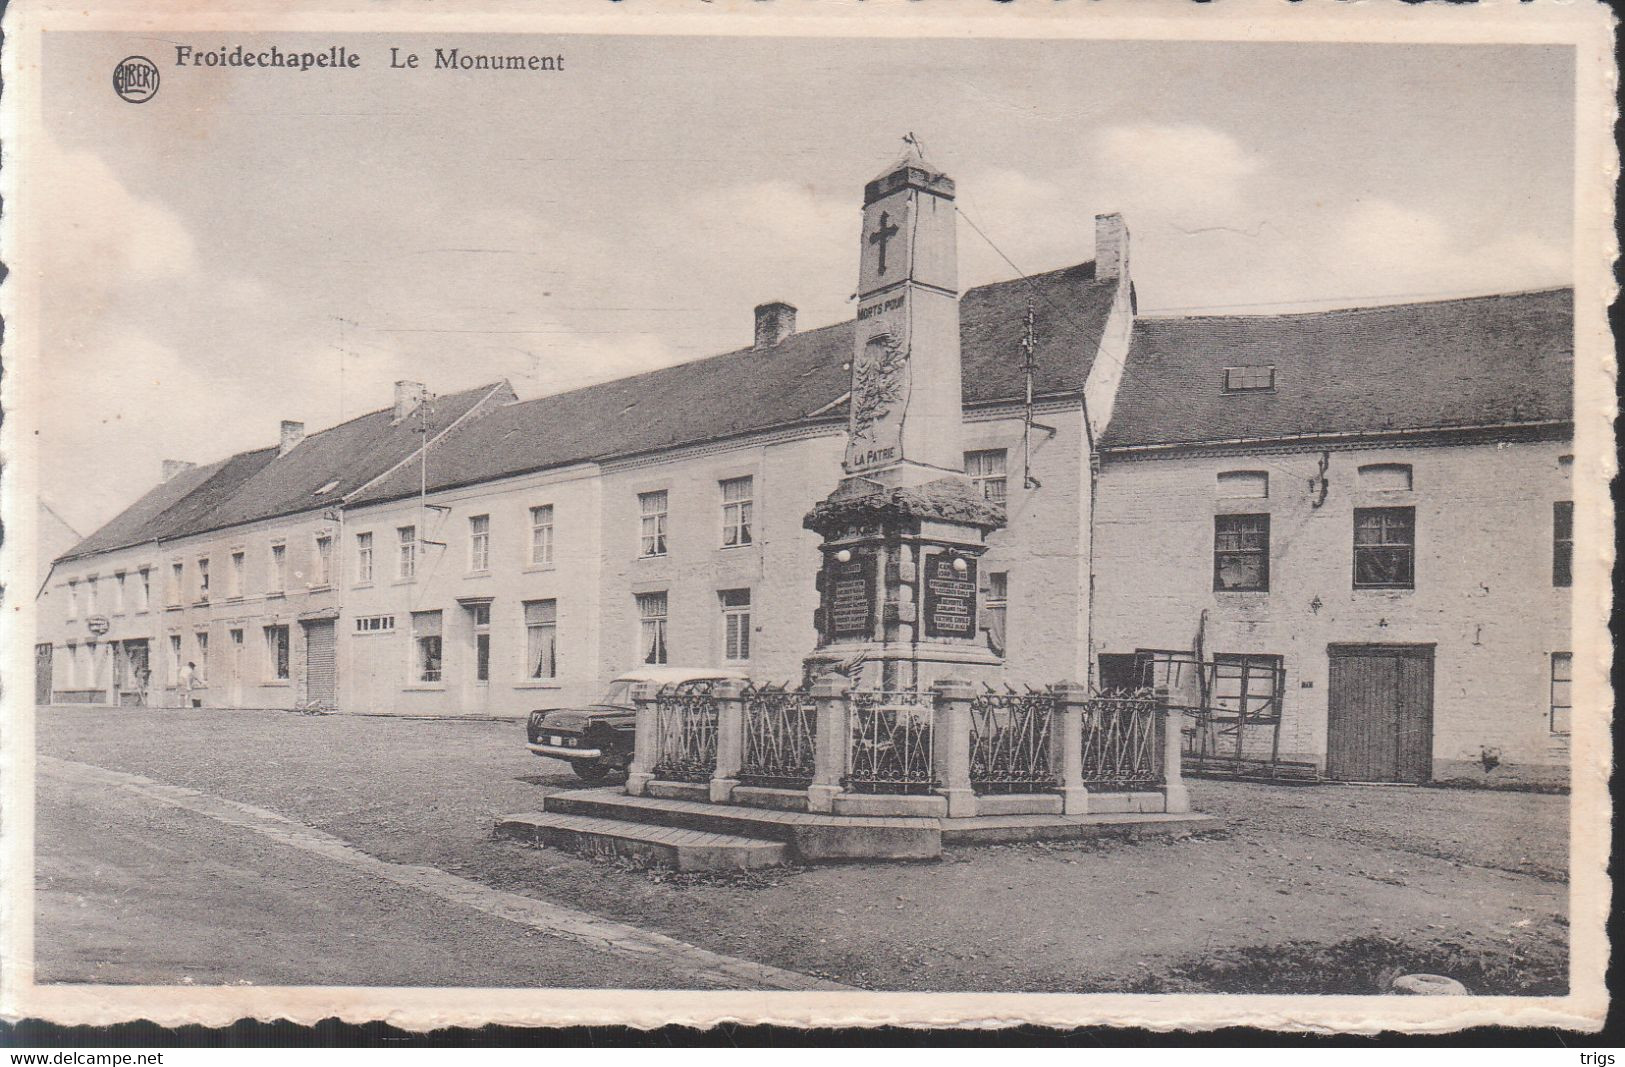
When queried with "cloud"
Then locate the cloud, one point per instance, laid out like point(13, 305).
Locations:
point(1171, 168)
point(105, 232)
point(1390, 244)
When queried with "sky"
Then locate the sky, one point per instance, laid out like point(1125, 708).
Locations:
point(248, 247)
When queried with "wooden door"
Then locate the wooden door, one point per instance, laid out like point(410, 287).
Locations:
point(42, 673)
point(1379, 725)
point(234, 698)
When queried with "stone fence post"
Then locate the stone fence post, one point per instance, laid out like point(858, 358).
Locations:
point(950, 745)
point(1176, 798)
point(646, 740)
point(729, 693)
point(832, 740)
point(1066, 741)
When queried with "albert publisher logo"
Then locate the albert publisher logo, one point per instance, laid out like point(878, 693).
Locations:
point(136, 79)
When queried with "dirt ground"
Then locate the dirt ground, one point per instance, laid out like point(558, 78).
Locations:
point(1305, 889)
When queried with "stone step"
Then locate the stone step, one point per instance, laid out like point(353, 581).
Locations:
point(653, 846)
point(814, 837)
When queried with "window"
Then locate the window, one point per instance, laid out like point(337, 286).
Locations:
point(276, 652)
point(73, 598)
point(735, 624)
point(987, 472)
point(177, 583)
point(406, 560)
point(996, 602)
point(1384, 548)
point(72, 664)
point(279, 569)
point(542, 638)
point(736, 501)
point(1235, 485)
point(426, 646)
point(203, 579)
point(1248, 379)
point(175, 657)
point(236, 576)
point(202, 638)
point(1562, 702)
point(541, 535)
point(1241, 553)
point(652, 628)
point(118, 592)
point(375, 624)
point(363, 558)
point(1563, 543)
point(1386, 477)
point(324, 560)
point(652, 524)
point(479, 543)
point(480, 616)
point(143, 588)
point(90, 596)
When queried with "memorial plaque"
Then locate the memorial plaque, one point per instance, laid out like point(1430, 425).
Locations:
point(851, 593)
point(950, 596)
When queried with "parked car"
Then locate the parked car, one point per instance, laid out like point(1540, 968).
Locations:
point(597, 740)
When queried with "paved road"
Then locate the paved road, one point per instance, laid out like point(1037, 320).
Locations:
point(1328, 886)
point(139, 878)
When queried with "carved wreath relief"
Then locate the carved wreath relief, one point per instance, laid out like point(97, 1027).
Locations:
point(878, 389)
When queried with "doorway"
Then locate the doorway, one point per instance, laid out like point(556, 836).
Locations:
point(321, 664)
point(478, 657)
point(1379, 713)
point(42, 673)
point(234, 698)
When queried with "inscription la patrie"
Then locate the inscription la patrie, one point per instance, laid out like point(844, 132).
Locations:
point(950, 596)
point(852, 597)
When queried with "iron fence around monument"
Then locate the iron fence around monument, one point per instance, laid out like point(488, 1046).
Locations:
point(1010, 741)
point(686, 732)
point(891, 742)
point(1123, 740)
point(780, 731)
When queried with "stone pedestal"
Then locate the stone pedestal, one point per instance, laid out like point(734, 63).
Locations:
point(899, 591)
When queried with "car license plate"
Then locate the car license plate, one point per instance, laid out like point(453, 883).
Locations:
point(554, 739)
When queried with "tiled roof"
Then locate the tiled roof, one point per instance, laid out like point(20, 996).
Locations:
point(752, 390)
point(259, 485)
point(1454, 363)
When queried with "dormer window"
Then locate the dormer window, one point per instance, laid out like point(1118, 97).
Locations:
point(1249, 379)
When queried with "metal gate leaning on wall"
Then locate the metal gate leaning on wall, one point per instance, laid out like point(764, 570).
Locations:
point(1379, 713)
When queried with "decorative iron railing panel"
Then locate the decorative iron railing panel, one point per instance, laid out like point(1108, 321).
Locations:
point(1122, 741)
point(1010, 742)
point(780, 731)
point(686, 732)
point(891, 742)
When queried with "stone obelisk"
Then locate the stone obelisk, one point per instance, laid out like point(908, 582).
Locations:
point(903, 531)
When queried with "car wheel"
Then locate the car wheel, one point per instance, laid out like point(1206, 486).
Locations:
point(590, 770)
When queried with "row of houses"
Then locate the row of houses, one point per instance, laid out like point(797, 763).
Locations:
point(1360, 518)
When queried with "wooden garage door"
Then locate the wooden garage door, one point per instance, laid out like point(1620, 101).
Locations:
point(1379, 724)
point(321, 662)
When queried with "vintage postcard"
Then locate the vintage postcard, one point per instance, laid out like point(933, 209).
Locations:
point(955, 514)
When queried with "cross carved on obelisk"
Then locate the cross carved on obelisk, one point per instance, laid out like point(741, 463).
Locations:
point(887, 231)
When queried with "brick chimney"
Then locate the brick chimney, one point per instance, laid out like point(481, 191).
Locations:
point(408, 395)
point(1111, 247)
point(292, 434)
point(774, 322)
point(173, 467)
